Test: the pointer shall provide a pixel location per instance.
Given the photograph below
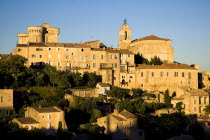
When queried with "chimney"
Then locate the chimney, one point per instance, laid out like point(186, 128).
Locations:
point(116, 112)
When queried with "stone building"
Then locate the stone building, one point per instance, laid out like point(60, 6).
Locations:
point(102, 87)
point(115, 66)
point(204, 79)
point(194, 100)
point(6, 98)
point(42, 118)
point(121, 125)
point(148, 46)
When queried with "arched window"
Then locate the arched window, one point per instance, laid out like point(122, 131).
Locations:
point(126, 35)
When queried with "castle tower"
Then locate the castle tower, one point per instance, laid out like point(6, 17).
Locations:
point(124, 36)
point(35, 34)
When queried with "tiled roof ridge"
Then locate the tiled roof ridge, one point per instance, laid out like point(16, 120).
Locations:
point(150, 37)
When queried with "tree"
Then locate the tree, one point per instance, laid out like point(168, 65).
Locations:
point(207, 109)
point(95, 115)
point(167, 98)
point(118, 93)
point(179, 106)
point(155, 61)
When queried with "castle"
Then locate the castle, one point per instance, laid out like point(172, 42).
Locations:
point(115, 65)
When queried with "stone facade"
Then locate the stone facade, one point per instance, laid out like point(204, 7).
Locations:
point(6, 98)
point(123, 124)
point(42, 118)
point(115, 66)
point(204, 79)
point(148, 46)
point(102, 87)
point(194, 100)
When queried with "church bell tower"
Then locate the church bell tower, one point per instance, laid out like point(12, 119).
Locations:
point(124, 36)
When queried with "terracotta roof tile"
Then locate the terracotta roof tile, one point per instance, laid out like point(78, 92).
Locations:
point(103, 84)
point(151, 37)
point(127, 114)
point(165, 66)
point(45, 109)
point(27, 120)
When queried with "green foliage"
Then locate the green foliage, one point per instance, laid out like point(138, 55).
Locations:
point(171, 125)
point(155, 61)
point(167, 98)
point(139, 59)
point(207, 109)
point(89, 79)
point(118, 93)
point(48, 91)
point(95, 115)
point(197, 131)
point(136, 92)
point(149, 95)
point(179, 106)
point(89, 128)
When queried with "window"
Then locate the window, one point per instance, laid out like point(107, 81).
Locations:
point(49, 49)
point(175, 74)
point(94, 56)
point(48, 125)
point(114, 65)
point(31, 127)
point(194, 108)
point(167, 74)
point(1, 99)
point(67, 50)
point(204, 100)
point(50, 63)
point(67, 57)
point(142, 85)
point(38, 49)
point(33, 56)
point(58, 64)
point(129, 81)
point(102, 57)
point(142, 74)
point(40, 56)
point(43, 117)
point(182, 74)
point(129, 55)
point(161, 74)
point(189, 75)
point(153, 74)
point(82, 50)
point(49, 117)
point(94, 65)
point(194, 101)
point(57, 49)
point(72, 53)
point(19, 50)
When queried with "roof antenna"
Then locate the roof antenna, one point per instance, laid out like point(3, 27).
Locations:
point(125, 21)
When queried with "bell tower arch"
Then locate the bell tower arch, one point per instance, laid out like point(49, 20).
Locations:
point(124, 36)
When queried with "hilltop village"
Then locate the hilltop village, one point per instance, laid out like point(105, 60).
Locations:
point(136, 91)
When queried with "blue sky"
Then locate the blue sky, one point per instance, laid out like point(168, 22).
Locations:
point(185, 22)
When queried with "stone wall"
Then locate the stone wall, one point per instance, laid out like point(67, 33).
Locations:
point(6, 98)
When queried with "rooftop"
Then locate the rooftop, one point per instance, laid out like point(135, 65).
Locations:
point(27, 120)
point(45, 109)
point(127, 114)
point(103, 84)
point(165, 66)
point(151, 37)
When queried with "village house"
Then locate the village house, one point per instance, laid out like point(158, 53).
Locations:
point(121, 125)
point(48, 118)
